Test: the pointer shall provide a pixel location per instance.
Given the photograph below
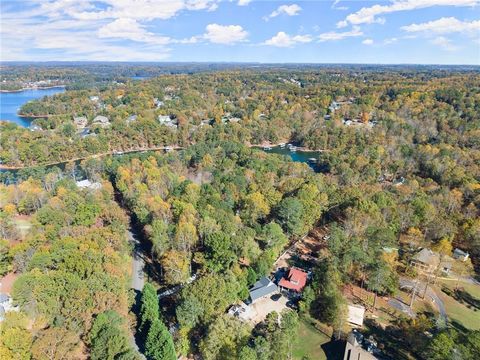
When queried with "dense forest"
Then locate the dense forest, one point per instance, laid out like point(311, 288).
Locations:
point(399, 153)
point(72, 268)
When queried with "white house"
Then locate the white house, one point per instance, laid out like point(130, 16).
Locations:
point(87, 184)
point(80, 122)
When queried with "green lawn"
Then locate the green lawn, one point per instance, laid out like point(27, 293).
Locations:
point(309, 342)
point(465, 314)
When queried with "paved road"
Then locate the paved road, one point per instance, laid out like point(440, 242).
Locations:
point(138, 279)
point(409, 284)
point(402, 307)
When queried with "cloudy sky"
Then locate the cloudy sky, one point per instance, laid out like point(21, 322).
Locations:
point(315, 31)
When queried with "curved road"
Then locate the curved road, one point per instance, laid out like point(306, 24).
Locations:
point(409, 284)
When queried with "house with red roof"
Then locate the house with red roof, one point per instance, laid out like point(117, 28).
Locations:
point(294, 280)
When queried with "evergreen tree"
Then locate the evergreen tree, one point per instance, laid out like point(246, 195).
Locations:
point(149, 308)
point(159, 343)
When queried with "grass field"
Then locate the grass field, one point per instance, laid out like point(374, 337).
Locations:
point(467, 316)
point(309, 342)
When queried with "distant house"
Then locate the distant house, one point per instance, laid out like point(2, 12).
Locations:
point(6, 304)
point(101, 120)
point(295, 280)
point(234, 120)
point(430, 261)
point(356, 314)
point(262, 288)
point(87, 184)
point(207, 122)
point(131, 118)
point(460, 255)
point(94, 98)
point(163, 119)
point(80, 122)
point(167, 121)
point(158, 103)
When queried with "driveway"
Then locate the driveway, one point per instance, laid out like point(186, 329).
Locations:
point(258, 311)
point(409, 284)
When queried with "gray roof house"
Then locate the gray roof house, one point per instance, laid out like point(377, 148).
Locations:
point(430, 261)
point(460, 255)
point(101, 120)
point(262, 288)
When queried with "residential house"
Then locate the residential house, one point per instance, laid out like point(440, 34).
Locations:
point(131, 118)
point(294, 280)
point(6, 304)
point(430, 261)
point(80, 122)
point(101, 120)
point(460, 255)
point(87, 184)
point(163, 119)
point(261, 289)
point(354, 348)
point(94, 98)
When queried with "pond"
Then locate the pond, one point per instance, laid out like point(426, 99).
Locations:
point(11, 102)
point(312, 158)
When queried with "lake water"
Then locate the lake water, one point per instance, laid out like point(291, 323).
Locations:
point(301, 156)
point(10, 103)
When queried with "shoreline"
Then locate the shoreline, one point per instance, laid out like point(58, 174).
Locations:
point(4, 167)
point(31, 88)
point(115, 152)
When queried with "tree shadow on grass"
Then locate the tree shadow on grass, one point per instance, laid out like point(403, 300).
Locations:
point(334, 349)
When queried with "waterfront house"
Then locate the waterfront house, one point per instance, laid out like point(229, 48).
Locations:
point(87, 184)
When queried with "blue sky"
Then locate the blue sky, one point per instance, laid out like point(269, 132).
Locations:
point(397, 31)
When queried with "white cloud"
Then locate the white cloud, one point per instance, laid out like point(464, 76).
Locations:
point(446, 26)
point(444, 43)
point(290, 10)
point(138, 9)
point(390, 41)
point(284, 40)
point(333, 35)
point(369, 15)
point(367, 42)
point(130, 29)
point(336, 7)
point(243, 2)
point(225, 34)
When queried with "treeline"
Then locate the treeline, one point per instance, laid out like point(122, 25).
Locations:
point(72, 268)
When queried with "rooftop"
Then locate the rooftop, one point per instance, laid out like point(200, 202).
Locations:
point(295, 280)
point(261, 288)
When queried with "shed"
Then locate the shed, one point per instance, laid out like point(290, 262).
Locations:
point(356, 314)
